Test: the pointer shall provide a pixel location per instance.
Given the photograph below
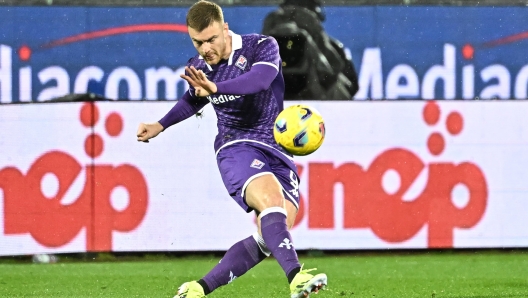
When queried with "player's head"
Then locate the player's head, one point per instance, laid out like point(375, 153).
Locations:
point(208, 32)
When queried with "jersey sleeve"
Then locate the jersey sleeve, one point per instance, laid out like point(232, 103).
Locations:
point(258, 79)
point(183, 109)
point(267, 52)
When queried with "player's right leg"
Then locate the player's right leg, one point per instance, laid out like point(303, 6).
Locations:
point(190, 289)
point(237, 165)
point(238, 259)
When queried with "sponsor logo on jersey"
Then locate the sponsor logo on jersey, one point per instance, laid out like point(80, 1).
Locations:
point(222, 98)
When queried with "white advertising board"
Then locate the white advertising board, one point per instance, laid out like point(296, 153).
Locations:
point(407, 174)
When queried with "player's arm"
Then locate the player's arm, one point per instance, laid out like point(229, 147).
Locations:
point(258, 78)
point(264, 70)
point(187, 106)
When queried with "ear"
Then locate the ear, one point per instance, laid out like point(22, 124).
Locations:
point(226, 27)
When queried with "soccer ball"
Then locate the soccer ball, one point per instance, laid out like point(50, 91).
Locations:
point(299, 129)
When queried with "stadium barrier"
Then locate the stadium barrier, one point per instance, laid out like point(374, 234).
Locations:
point(390, 175)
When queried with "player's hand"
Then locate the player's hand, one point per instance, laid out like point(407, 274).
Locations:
point(197, 78)
point(148, 131)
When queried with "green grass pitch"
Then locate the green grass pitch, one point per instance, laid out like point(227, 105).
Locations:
point(422, 274)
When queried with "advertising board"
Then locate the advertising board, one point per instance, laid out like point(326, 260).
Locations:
point(138, 53)
point(390, 175)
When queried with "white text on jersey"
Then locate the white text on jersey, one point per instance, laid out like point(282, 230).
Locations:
point(222, 98)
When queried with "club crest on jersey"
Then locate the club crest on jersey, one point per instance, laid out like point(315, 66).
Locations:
point(241, 62)
point(257, 164)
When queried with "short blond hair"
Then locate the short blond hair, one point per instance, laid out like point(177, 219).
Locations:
point(204, 13)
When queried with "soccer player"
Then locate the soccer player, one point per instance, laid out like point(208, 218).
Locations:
point(241, 76)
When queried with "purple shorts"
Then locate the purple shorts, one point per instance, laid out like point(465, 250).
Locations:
point(242, 162)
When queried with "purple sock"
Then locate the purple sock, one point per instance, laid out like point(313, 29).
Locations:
point(238, 259)
point(278, 239)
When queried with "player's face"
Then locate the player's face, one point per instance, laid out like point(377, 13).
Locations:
point(211, 43)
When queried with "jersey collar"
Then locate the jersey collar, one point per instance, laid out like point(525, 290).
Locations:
point(236, 44)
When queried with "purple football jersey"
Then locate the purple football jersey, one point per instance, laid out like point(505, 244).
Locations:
point(246, 117)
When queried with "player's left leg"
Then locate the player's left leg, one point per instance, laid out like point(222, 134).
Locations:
point(303, 282)
point(277, 217)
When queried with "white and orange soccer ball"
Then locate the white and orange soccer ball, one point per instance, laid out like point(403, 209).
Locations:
point(299, 129)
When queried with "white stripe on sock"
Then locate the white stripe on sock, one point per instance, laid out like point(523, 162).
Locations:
point(261, 244)
point(271, 210)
